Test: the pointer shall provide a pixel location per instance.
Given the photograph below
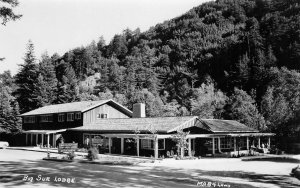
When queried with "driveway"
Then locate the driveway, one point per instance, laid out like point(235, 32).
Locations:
point(26, 169)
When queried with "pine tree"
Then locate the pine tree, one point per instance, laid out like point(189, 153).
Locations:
point(9, 111)
point(25, 81)
point(67, 90)
point(47, 82)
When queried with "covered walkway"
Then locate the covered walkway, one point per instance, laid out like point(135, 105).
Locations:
point(44, 138)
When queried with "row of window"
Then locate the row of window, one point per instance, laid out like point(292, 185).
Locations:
point(228, 142)
point(49, 118)
point(96, 139)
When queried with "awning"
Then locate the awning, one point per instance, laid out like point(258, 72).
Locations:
point(44, 131)
point(149, 136)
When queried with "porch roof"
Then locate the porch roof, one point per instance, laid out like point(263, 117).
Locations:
point(45, 131)
point(217, 126)
point(130, 125)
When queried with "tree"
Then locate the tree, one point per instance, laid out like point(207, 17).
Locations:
point(207, 102)
point(67, 90)
point(47, 82)
point(181, 141)
point(153, 103)
point(26, 81)
point(281, 105)
point(9, 111)
point(7, 13)
point(242, 107)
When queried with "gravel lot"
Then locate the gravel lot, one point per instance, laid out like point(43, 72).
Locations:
point(20, 168)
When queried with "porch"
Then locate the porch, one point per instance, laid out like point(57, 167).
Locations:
point(162, 145)
point(42, 138)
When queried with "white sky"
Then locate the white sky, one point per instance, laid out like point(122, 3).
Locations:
point(61, 25)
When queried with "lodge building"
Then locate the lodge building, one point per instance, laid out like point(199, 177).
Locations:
point(115, 129)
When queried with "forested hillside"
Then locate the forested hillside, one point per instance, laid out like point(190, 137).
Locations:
point(229, 59)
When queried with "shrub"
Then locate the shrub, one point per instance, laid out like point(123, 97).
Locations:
point(71, 155)
point(92, 154)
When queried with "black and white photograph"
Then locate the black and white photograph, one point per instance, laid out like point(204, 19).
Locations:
point(150, 93)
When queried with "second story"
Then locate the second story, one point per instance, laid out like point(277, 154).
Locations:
point(70, 115)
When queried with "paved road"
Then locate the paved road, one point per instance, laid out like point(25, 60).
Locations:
point(26, 169)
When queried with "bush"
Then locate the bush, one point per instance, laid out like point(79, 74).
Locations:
point(92, 154)
point(71, 155)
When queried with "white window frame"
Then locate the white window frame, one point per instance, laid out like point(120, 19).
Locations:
point(29, 119)
point(149, 144)
point(46, 118)
point(70, 116)
point(61, 117)
point(78, 115)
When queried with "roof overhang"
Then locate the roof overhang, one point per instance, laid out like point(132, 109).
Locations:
point(152, 136)
point(126, 110)
point(187, 124)
point(44, 131)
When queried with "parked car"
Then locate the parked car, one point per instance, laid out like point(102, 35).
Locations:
point(3, 144)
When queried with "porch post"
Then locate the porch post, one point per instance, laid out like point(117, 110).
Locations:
point(109, 144)
point(269, 142)
point(234, 143)
point(26, 142)
point(156, 147)
point(42, 140)
point(36, 139)
point(194, 142)
point(190, 147)
point(213, 146)
point(122, 145)
point(258, 142)
point(138, 146)
point(31, 137)
point(247, 143)
point(48, 140)
point(219, 144)
point(53, 140)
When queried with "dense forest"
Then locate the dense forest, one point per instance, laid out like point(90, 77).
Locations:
point(227, 59)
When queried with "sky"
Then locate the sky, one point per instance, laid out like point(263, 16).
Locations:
point(57, 26)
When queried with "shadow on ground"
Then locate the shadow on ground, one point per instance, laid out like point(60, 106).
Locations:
point(94, 175)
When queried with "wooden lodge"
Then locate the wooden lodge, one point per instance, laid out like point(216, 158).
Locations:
point(113, 128)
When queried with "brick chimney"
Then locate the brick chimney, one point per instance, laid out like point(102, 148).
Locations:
point(139, 110)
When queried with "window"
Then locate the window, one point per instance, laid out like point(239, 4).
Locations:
point(46, 118)
point(70, 117)
point(61, 117)
point(102, 116)
point(29, 119)
point(78, 115)
point(241, 142)
point(149, 144)
point(226, 143)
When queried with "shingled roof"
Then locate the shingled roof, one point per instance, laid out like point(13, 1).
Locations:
point(165, 125)
point(81, 106)
point(161, 124)
point(223, 126)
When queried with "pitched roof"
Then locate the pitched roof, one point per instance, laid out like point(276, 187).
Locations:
point(81, 106)
point(161, 124)
point(165, 125)
point(222, 126)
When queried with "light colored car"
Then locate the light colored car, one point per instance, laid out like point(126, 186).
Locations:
point(3, 144)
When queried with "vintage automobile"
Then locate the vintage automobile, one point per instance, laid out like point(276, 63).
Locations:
point(3, 144)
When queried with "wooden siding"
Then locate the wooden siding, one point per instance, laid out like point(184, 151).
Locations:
point(91, 115)
point(54, 125)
